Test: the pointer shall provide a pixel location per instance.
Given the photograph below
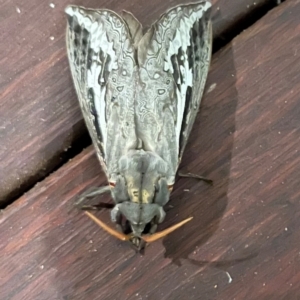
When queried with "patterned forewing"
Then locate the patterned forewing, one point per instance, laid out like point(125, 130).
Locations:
point(174, 57)
point(104, 71)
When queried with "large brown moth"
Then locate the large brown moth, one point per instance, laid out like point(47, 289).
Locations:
point(139, 94)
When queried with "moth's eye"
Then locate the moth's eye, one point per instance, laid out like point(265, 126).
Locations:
point(114, 80)
point(168, 82)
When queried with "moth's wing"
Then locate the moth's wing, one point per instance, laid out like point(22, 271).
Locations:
point(174, 57)
point(102, 59)
point(135, 27)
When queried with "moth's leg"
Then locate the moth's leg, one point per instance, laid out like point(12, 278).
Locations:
point(153, 228)
point(119, 225)
point(97, 206)
point(191, 175)
point(91, 193)
point(154, 223)
point(116, 217)
point(159, 218)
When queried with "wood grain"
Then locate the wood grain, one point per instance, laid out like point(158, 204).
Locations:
point(39, 114)
point(243, 242)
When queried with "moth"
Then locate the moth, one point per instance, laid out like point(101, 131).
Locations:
point(139, 92)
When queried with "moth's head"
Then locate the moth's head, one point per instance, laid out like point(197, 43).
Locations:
point(138, 216)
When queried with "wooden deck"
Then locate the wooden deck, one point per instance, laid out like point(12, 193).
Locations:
point(244, 240)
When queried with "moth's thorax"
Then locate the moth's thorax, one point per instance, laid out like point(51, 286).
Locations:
point(140, 189)
point(142, 170)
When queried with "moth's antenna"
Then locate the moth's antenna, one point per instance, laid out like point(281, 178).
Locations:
point(113, 232)
point(161, 234)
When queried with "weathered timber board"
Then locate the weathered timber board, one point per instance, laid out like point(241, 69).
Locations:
point(39, 113)
point(243, 242)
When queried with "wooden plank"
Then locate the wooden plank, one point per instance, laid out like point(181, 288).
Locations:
point(243, 242)
point(39, 113)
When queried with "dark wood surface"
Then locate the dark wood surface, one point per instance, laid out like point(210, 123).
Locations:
point(243, 242)
point(39, 114)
